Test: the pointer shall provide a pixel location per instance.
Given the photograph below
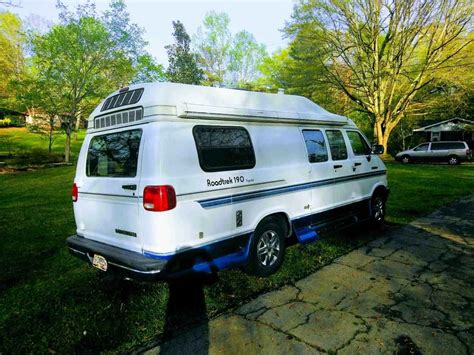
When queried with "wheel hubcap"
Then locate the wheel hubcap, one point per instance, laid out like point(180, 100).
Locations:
point(453, 161)
point(378, 209)
point(405, 160)
point(268, 248)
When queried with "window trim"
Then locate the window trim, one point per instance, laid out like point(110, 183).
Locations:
point(306, 147)
point(344, 140)
point(215, 170)
point(115, 177)
point(364, 138)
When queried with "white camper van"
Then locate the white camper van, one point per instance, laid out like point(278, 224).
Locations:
point(174, 177)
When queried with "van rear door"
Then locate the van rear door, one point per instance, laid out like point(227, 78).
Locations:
point(107, 208)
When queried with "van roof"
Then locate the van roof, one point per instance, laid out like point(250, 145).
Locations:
point(204, 102)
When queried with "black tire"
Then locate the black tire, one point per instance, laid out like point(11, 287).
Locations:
point(269, 239)
point(453, 160)
point(377, 209)
point(406, 159)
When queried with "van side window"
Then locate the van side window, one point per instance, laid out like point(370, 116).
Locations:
point(337, 145)
point(223, 148)
point(422, 147)
point(358, 143)
point(114, 154)
point(315, 145)
point(447, 146)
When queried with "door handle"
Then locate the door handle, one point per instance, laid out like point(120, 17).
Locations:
point(129, 187)
point(337, 166)
point(357, 164)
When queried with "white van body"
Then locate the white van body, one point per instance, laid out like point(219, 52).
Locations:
point(171, 134)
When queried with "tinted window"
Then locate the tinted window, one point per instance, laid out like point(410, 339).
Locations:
point(422, 147)
point(114, 154)
point(446, 146)
point(337, 145)
point(358, 143)
point(223, 148)
point(316, 146)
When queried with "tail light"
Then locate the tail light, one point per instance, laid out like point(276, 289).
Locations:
point(159, 198)
point(74, 192)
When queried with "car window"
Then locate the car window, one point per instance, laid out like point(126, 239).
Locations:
point(114, 154)
point(315, 145)
point(422, 148)
point(337, 145)
point(358, 143)
point(223, 148)
point(446, 146)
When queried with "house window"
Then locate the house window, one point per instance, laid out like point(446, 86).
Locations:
point(435, 136)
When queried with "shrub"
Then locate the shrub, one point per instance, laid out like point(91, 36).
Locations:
point(6, 122)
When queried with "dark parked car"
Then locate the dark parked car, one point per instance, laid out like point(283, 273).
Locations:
point(450, 152)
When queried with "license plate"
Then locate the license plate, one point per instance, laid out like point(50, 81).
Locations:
point(99, 262)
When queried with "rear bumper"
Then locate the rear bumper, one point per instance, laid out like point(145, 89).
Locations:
point(120, 261)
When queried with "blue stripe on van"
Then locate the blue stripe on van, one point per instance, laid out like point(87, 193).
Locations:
point(225, 200)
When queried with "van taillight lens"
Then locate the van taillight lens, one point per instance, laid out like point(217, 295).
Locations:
point(159, 198)
point(74, 192)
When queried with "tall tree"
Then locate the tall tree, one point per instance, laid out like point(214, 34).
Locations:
point(73, 60)
point(182, 63)
point(381, 53)
point(213, 42)
point(12, 60)
point(246, 55)
point(132, 63)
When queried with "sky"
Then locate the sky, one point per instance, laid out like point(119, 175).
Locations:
point(263, 18)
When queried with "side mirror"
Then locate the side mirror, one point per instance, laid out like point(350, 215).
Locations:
point(377, 149)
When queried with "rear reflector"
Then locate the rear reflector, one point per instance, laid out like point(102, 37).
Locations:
point(74, 192)
point(159, 198)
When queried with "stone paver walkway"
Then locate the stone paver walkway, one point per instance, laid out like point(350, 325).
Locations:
point(411, 291)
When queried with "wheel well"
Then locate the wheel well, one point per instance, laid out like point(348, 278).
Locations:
point(381, 190)
point(279, 217)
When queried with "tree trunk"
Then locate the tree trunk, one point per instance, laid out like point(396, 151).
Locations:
point(78, 122)
point(381, 136)
point(67, 147)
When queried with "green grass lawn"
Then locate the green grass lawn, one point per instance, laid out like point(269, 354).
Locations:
point(50, 301)
point(21, 142)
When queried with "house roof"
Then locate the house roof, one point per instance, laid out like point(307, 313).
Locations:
point(455, 119)
point(11, 112)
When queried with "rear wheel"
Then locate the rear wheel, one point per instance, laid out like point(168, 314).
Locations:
point(267, 248)
point(453, 160)
point(406, 159)
point(377, 209)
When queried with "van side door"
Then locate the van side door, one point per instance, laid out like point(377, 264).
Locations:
point(362, 164)
point(421, 152)
point(341, 167)
point(321, 171)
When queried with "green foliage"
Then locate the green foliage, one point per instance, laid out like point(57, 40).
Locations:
point(12, 60)
point(213, 42)
point(246, 55)
point(6, 122)
point(147, 70)
point(182, 63)
point(380, 54)
point(51, 301)
point(227, 59)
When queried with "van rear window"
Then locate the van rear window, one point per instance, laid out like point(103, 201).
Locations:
point(114, 154)
point(223, 148)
